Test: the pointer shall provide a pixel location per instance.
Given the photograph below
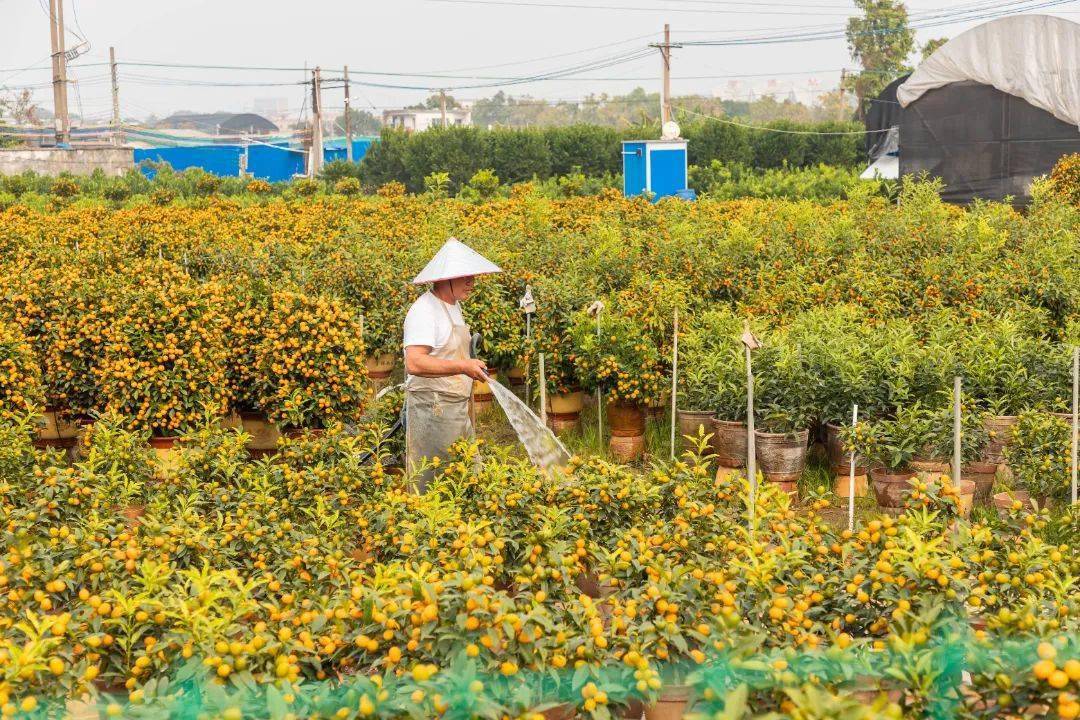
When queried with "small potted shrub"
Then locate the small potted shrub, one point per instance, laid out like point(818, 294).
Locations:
point(557, 307)
point(309, 363)
point(784, 412)
point(973, 440)
point(713, 384)
point(626, 366)
point(888, 446)
point(163, 368)
point(1040, 460)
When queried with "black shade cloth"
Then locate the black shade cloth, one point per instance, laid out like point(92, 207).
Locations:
point(982, 143)
point(882, 114)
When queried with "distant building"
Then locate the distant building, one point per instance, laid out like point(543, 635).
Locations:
point(220, 123)
point(424, 118)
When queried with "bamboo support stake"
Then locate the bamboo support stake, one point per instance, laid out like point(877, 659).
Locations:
point(543, 392)
point(1075, 416)
point(599, 393)
point(674, 380)
point(749, 343)
point(528, 377)
point(956, 447)
point(851, 474)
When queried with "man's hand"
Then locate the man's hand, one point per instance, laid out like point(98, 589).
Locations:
point(476, 369)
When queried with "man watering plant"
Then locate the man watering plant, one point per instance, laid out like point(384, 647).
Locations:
point(439, 369)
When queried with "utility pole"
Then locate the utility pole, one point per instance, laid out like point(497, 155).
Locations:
point(843, 88)
point(442, 106)
point(315, 155)
point(117, 138)
point(348, 119)
point(59, 66)
point(665, 57)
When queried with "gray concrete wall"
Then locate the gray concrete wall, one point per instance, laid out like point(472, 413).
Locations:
point(77, 161)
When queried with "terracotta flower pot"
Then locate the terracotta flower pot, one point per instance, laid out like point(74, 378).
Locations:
point(166, 451)
point(930, 466)
point(890, 486)
point(515, 377)
point(655, 408)
point(231, 421)
point(1004, 501)
point(627, 423)
point(691, 422)
point(564, 711)
point(671, 705)
point(264, 434)
point(57, 425)
point(1000, 428)
point(983, 475)
point(379, 367)
point(564, 411)
point(729, 443)
point(782, 456)
point(482, 397)
point(967, 497)
point(839, 456)
point(842, 484)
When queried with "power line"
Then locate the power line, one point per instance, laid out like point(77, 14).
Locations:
point(631, 8)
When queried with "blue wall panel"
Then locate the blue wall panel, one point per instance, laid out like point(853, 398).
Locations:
point(668, 169)
point(275, 164)
point(633, 168)
point(216, 159)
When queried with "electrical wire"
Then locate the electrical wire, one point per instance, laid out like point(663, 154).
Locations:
point(630, 8)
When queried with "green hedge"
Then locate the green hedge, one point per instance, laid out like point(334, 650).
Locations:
point(517, 155)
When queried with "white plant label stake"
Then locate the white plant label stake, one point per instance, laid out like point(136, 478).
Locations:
point(750, 343)
point(674, 379)
point(851, 474)
point(595, 309)
point(956, 452)
point(528, 306)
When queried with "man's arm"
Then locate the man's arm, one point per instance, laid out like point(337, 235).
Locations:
point(419, 362)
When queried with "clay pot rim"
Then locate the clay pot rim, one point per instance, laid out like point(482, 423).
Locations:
point(708, 414)
point(970, 468)
point(252, 415)
point(729, 423)
point(166, 442)
point(793, 434)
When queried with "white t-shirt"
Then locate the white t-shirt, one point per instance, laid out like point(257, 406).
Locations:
point(427, 323)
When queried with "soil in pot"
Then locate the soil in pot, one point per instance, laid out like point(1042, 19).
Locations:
point(671, 705)
point(264, 434)
point(692, 422)
point(1000, 428)
point(564, 411)
point(564, 711)
point(982, 474)
point(627, 423)
point(729, 443)
point(890, 486)
point(782, 456)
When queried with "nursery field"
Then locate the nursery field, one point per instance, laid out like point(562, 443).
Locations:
point(201, 517)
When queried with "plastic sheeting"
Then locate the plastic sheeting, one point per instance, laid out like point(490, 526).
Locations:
point(1034, 57)
point(981, 142)
point(883, 114)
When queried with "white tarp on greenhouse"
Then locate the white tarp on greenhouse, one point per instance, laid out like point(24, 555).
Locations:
point(1034, 57)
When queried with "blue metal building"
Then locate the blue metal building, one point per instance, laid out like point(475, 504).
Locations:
point(656, 166)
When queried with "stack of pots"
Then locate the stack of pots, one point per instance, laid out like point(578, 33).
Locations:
point(782, 457)
point(564, 411)
point(981, 473)
point(627, 423)
point(1000, 428)
point(729, 445)
point(840, 462)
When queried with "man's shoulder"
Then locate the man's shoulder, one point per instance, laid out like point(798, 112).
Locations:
point(422, 305)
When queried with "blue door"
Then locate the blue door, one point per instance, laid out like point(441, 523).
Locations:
point(668, 170)
point(633, 168)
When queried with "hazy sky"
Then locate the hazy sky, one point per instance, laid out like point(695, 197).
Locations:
point(465, 37)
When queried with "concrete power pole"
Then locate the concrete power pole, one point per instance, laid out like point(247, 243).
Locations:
point(117, 136)
point(348, 119)
point(315, 155)
point(59, 67)
point(442, 106)
point(665, 57)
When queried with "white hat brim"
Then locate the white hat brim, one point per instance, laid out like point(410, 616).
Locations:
point(455, 259)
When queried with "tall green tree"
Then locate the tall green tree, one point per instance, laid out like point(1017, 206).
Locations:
point(363, 122)
point(881, 41)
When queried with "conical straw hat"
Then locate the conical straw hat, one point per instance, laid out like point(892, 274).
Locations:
point(455, 259)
